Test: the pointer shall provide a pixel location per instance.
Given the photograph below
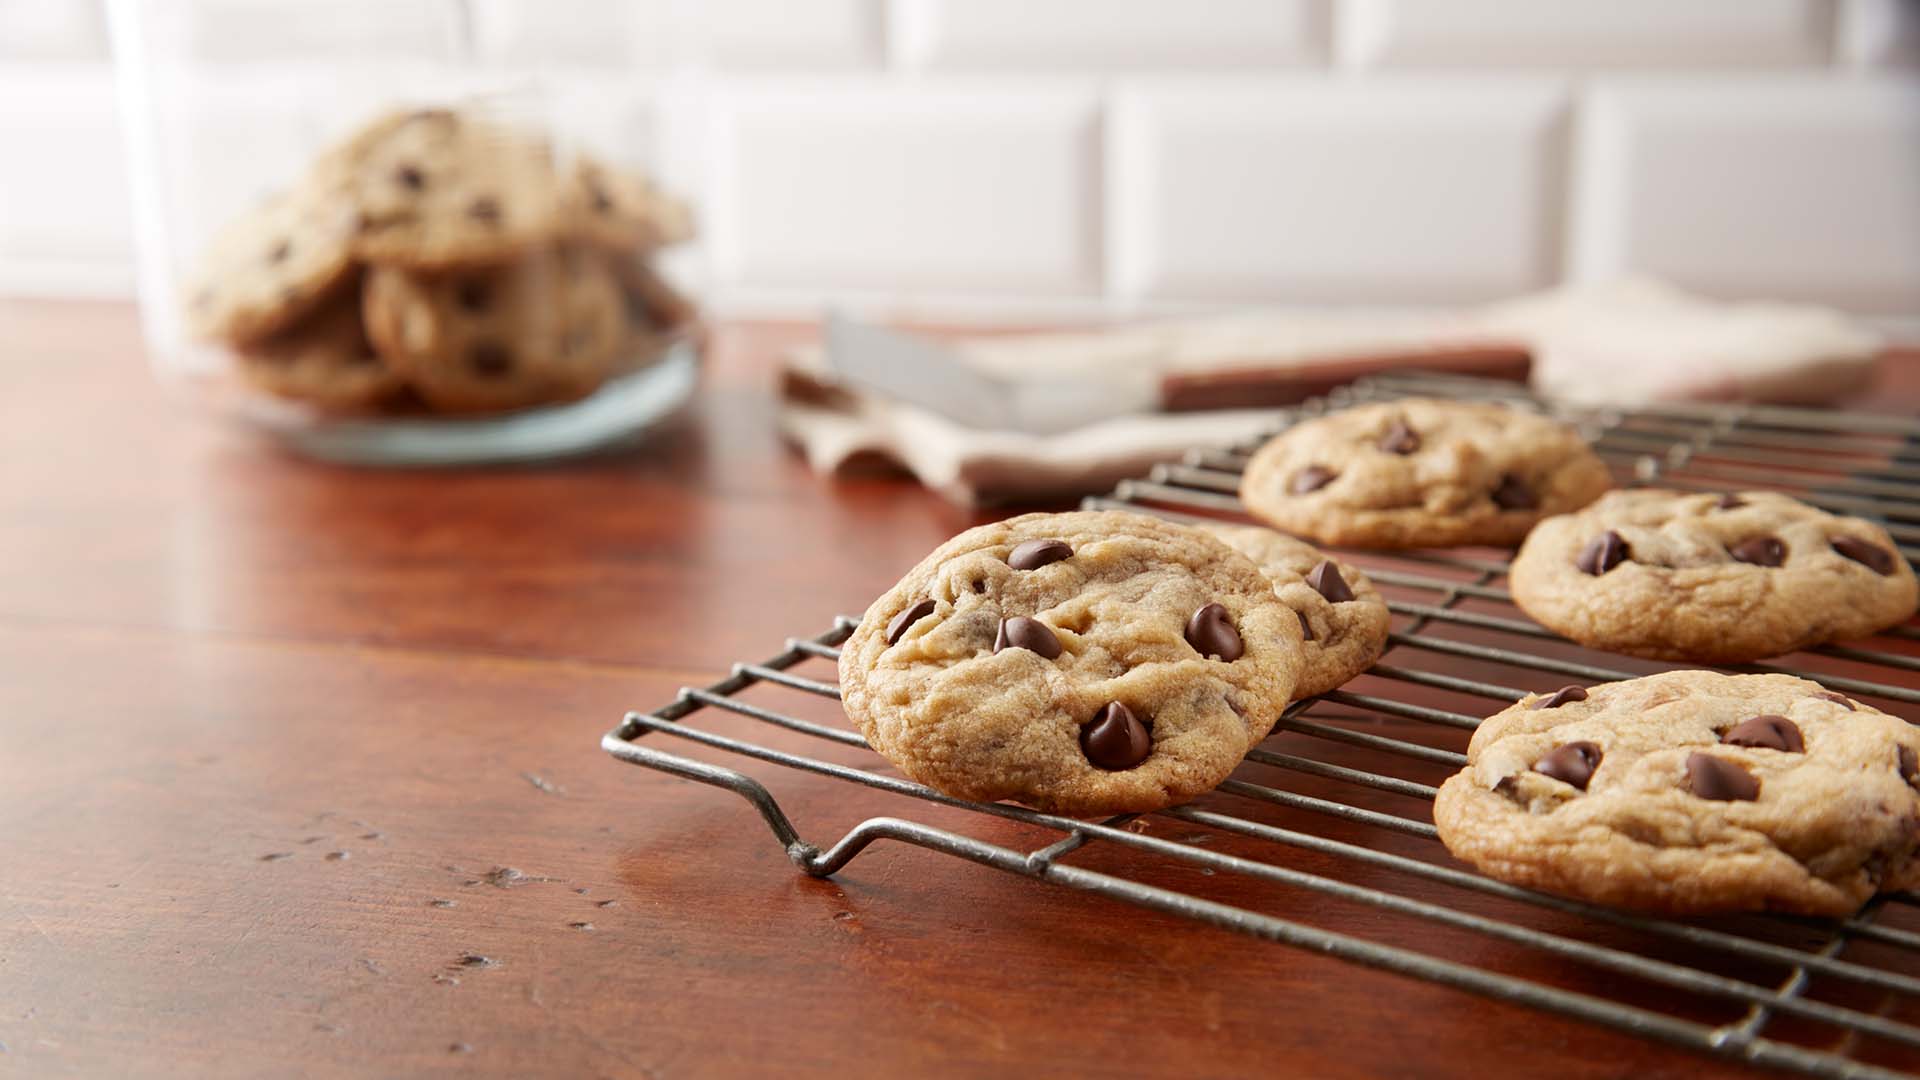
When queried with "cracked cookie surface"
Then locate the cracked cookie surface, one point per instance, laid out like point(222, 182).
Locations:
point(1343, 617)
point(1692, 792)
point(1710, 578)
point(1082, 663)
point(1421, 473)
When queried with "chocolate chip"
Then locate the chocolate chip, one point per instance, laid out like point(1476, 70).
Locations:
point(1909, 763)
point(1400, 439)
point(473, 294)
point(410, 177)
point(907, 618)
point(1326, 581)
point(1514, 494)
point(1311, 478)
point(1837, 699)
point(1572, 763)
point(597, 197)
point(1717, 778)
point(1872, 556)
point(486, 208)
point(1767, 732)
point(489, 358)
point(1035, 554)
point(1115, 739)
point(1560, 697)
point(1306, 628)
point(1760, 551)
point(1210, 631)
point(280, 251)
point(1730, 501)
point(1603, 553)
point(1020, 632)
point(363, 356)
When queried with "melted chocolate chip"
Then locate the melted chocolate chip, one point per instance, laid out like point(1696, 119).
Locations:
point(1514, 494)
point(1306, 628)
point(597, 196)
point(1717, 778)
point(907, 618)
point(1210, 631)
point(1766, 732)
point(1572, 763)
point(280, 252)
point(363, 356)
point(1603, 553)
point(1560, 697)
point(486, 209)
point(1760, 551)
point(473, 294)
point(1035, 554)
point(1837, 699)
point(1311, 478)
point(1909, 763)
point(1020, 632)
point(1400, 439)
point(1115, 739)
point(1730, 501)
point(489, 358)
point(410, 177)
point(1326, 580)
point(1871, 556)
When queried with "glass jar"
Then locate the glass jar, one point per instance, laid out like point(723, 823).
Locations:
point(362, 237)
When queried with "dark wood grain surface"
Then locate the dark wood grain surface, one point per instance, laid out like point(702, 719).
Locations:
point(300, 775)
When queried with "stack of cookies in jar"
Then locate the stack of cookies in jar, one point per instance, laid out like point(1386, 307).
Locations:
point(433, 260)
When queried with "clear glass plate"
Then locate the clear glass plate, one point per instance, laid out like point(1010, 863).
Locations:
point(621, 408)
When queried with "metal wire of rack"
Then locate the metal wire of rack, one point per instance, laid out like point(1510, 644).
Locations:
point(1457, 640)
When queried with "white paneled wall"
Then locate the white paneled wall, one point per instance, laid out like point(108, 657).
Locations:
point(1382, 190)
point(1085, 156)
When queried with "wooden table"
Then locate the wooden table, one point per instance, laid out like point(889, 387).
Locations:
point(273, 733)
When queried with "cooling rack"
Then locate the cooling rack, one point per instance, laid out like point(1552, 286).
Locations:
point(1355, 768)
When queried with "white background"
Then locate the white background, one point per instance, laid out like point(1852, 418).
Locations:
point(1074, 157)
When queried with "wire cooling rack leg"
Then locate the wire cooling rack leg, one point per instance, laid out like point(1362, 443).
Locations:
point(802, 853)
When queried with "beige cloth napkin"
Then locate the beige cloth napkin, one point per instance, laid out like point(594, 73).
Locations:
point(1627, 342)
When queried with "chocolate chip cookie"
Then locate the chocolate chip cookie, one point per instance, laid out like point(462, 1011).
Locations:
point(272, 266)
point(1421, 473)
point(324, 359)
point(622, 211)
point(1692, 792)
point(1342, 617)
point(1082, 663)
point(440, 190)
point(545, 327)
point(658, 315)
point(1710, 578)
